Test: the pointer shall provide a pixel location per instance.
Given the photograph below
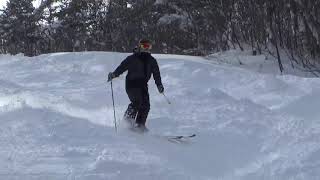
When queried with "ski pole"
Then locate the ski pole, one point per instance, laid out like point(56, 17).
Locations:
point(114, 109)
point(168, 101)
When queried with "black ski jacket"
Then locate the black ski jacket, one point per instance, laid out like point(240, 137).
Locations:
point(140, 66)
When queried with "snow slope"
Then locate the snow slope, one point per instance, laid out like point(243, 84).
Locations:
point(57, 120)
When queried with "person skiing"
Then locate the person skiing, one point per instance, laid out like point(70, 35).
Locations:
point(140, 66)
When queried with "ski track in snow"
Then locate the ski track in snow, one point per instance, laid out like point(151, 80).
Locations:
point(57, 120)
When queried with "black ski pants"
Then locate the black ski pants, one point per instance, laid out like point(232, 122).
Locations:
point(140, 103)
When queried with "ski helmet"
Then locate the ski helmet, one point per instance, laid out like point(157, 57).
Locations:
point(145, 45)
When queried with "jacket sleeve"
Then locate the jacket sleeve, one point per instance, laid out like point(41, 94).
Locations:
point(122, 67)
point(156, 73)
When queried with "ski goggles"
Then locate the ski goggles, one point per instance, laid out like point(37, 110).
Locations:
point(147, 46)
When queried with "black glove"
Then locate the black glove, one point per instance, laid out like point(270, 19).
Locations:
point(111, 76)
point(160, 88)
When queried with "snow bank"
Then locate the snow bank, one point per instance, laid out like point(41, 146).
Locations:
point(57, 120)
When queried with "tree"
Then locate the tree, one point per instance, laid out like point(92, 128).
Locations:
point(196, 27)
point(20, 27)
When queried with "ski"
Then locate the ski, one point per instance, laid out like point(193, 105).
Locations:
point(171, 138)
point(179, 138)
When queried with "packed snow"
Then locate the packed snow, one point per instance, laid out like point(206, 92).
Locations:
point(251, 122)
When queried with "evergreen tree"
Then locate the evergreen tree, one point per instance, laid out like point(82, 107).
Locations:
point(20, 27)
point(196, 27)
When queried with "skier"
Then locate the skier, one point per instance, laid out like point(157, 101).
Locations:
point(140, 65)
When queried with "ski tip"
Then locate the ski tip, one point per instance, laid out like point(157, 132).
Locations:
point(182, 137)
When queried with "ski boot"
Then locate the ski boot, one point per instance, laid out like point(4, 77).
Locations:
point(141, 128)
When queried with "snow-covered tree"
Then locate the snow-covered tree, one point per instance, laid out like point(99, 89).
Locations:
point(20, 27)
point(196, 27)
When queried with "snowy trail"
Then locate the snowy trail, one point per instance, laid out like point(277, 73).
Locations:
point(57, 121)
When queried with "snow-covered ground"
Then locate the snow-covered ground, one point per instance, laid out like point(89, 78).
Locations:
point(56, 120)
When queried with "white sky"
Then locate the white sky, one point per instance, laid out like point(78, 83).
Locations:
point(4, 2)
